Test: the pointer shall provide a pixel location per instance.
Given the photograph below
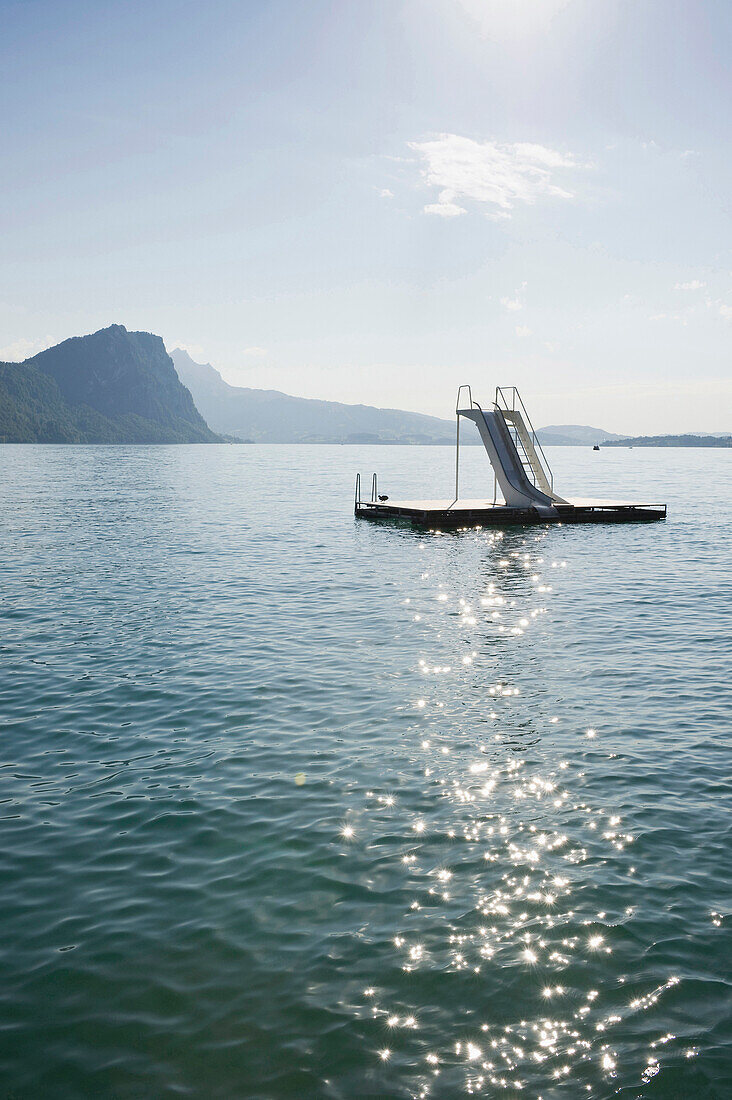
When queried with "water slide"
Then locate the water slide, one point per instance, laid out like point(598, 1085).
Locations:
point(520, 474)
point(522, 471)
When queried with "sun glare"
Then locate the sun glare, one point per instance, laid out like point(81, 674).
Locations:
point(506, 19)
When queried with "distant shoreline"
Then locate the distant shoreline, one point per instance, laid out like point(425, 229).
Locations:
point(714, 443)
point(692, 441)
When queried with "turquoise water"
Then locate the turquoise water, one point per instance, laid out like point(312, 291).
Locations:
point(298, 806)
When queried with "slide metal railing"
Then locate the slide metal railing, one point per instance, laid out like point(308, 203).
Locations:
point(471, 405)
point(508, 399)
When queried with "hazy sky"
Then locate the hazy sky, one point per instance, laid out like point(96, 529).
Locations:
point(376, 200)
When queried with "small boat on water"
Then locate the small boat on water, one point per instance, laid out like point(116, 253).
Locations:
point(521, 472)
point(596, 447)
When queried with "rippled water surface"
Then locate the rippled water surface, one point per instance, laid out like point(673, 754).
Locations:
point(295, 805)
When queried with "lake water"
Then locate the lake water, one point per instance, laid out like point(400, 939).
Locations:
point(295, 805)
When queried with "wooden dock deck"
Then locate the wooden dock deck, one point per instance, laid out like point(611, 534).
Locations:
point(440, 514)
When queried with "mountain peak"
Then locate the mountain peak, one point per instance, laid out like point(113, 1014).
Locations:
point(185, 357)
point(188, 368)
point(117, 386)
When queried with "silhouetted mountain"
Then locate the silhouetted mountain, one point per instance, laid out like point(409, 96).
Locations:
point(114, 386)
point(572, 435)
point(268, 416)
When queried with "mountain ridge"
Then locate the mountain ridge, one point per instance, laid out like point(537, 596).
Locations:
point(111, 386)
point(686, 439)
point(270, 416)
point(243, 411)
point(116, 386)
point(572, 435)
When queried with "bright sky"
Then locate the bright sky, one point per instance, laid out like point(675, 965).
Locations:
point(376, 200)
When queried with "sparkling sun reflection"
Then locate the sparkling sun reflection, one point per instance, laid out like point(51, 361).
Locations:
point(496, 865)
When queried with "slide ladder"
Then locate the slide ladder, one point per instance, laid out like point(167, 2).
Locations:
point(533, 459)
point(517, 458)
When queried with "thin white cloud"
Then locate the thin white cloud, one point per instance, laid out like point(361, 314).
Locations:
point(522, 330)
point(661, 149)
point(445, 209)
point(515, 303)
point(255, 352)
point(23, 349)
point(698, 307)
point(385, 193)
point(693, 285)
point(493, 174)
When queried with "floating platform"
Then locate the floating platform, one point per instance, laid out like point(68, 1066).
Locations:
point(520, 470)
point(444, 514)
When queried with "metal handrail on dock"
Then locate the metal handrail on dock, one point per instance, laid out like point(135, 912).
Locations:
point(374, 492)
